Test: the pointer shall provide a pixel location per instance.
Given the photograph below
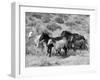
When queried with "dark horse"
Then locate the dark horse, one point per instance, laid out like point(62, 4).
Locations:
point(45, 38)
point(75, 41)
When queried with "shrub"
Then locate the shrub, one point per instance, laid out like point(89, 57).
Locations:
point(53, 27)
point(59, 20)
point(78, 22)
point(31, 19)
point(46, 19)
point(70, 24)
point(66, 18)
point(37, 16)
point(31, 24)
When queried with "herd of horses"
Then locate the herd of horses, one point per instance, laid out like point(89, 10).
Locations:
point(63, 43)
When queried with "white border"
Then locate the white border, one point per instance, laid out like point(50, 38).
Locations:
point(20, 69)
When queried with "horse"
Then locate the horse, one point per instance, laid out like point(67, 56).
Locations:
point(77, 45)
point(76, 37)
point(58, 43)
point(36, 40)
point(43, 41)
point(75, 41)
point(79, 42)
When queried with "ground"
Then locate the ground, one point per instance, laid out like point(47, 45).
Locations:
point(82, 59)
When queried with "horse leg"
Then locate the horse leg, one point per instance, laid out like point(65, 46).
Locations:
point(65, 54)
point(59, 51)
point(49, 52)
point(74, 49)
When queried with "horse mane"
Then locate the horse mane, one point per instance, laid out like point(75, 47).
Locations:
point(66, 33)
point(45, 37)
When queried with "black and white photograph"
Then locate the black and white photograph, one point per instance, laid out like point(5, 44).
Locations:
point(55, 39)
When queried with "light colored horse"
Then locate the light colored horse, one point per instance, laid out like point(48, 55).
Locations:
point(58, 45)
point(40, 44)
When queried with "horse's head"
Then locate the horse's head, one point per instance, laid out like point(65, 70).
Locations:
point(44, 37)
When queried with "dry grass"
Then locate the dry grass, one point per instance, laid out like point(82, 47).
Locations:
point(43, 60)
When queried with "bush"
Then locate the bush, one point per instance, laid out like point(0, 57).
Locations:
point(53, 27)
point(31, 24)
point(78, 22)
point(59, 20)
point(70, 24)
point(31, 19)
point(66, 18)
point(37, 16)
point(46, 19)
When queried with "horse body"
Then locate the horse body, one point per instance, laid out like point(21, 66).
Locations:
point(77, 37)
point(58, 43)
point(75, 41)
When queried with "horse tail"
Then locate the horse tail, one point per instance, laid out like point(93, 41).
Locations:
point(86, 44)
